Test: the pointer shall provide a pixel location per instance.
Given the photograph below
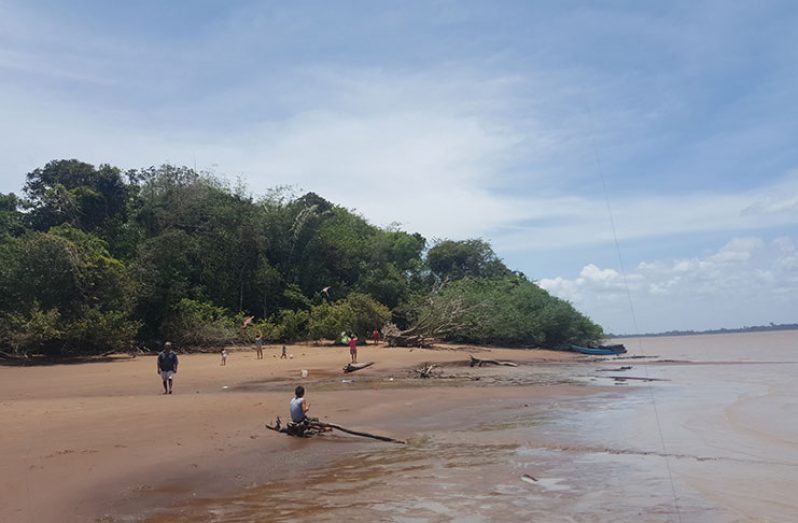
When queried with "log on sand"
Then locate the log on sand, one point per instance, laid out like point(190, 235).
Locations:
point(477, 362)
point(425, 371)
point(317, 427)
point(624, 378)
point(362, 434)
point(352, 367)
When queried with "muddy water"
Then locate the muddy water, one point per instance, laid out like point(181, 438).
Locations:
point(715, 440)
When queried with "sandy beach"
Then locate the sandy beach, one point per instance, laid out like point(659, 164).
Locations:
point(98, 440)
point(557, 438)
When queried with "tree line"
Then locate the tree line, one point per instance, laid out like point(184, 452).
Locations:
point(96, 259)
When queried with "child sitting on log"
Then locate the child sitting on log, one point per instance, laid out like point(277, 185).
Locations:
point(300, 407)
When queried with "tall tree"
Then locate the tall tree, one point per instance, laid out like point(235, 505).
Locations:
point(78, 194)
point(65, 279)
point(12, 221)
point(454, 260)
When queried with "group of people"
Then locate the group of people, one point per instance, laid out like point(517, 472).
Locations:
point(167, 362)
point(167, 367)
point(258, 351)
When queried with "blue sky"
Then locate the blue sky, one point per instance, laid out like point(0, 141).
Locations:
point(529, 124)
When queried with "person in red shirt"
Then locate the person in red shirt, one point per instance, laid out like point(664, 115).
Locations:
point(375, 336)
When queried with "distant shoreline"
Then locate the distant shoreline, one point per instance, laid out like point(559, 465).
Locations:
point(758, 328)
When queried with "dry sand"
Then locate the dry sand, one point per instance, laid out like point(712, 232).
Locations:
point(85, 440)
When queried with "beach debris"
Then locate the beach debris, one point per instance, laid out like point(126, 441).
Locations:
point(304, 373)
point(624, 378)
point(225, 387)
point(529, 479)
point(395, 337)
point(315, 428)
point(346, 381)
point(619, 369)
point(478, 362)
point(425, 371)
point(352, 367)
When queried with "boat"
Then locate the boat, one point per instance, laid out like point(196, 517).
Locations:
point(604, 350)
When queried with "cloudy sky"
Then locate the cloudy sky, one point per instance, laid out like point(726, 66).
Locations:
point(636, 158)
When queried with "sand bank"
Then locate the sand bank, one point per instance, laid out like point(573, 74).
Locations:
point(83, 441)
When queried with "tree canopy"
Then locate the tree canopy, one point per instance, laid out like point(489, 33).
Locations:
point(95, 259)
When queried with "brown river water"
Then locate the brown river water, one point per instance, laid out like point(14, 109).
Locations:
point(714, 439)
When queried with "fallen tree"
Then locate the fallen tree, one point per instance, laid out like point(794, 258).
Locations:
point(314, 428)
point(352, 367)
point(438, 318)
point(425, 371)
point(478, 362)
point(406, 338)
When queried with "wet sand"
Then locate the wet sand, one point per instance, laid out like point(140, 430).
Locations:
point(98, 440)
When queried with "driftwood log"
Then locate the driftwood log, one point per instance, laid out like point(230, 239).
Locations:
point(624, 378)
point(304, 430)
point(478, 362)
point(352, 367)
point(425, 371)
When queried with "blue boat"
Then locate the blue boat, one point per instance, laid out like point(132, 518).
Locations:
point(604, 350)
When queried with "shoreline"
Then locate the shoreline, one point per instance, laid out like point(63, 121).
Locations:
point(97, 440)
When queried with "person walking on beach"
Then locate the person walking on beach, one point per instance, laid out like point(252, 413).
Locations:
point(375, 336)
point(224, 357)
point(353, 347)
point(167, 366)
point(259, 346)
point(284, 353)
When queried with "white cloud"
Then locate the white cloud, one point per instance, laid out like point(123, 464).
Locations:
point(747, 281)
point(737, 250)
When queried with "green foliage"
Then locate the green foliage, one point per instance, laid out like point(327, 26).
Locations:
point(502, 311)
point(65, 284)
point(293, 324)
point(357, 313)
point(454, 260)
point(12, 221)
point(103, 259)
point(192, 322)
point(78, 194)
point(269, 331)
point(93, 331)
point(96, 331)
point(369, 314)
point(37, 332)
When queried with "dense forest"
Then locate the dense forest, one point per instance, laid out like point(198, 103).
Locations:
point(94, 259)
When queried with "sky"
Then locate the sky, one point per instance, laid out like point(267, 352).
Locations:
point(635, 158)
